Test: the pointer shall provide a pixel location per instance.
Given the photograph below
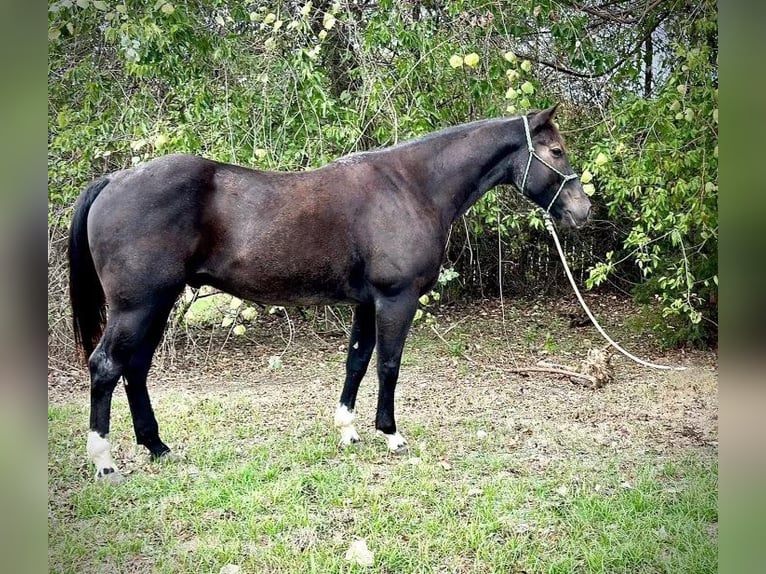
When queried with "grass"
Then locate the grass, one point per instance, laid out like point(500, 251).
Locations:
point(505, 473)
point(289, 501)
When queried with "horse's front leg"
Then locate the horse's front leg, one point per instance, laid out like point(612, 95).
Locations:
point(393, 316)
point(360, 347)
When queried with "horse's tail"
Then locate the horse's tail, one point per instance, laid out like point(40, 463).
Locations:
point(85, 292)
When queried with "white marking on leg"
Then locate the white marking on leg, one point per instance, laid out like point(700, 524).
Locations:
point(394, 441)
point(100, 453)
point(343, 416)
point(356, 345)
point(344, 420)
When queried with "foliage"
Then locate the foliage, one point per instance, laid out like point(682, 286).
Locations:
point(292, 85)
point(656, 163)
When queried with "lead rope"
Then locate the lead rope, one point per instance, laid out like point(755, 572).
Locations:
point(551, 228)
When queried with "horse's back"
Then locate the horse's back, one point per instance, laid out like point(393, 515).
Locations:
point(280, 237)
point(322, 235)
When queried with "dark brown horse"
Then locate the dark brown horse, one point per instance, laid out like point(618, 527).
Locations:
point(369, 229)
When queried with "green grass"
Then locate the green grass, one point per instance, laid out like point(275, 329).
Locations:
point(289, 501)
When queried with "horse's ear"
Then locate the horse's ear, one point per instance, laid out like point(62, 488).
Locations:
point(542, 118)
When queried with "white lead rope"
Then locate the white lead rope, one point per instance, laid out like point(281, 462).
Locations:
point(549, 225)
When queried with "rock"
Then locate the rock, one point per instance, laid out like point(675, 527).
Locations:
point(358, 553)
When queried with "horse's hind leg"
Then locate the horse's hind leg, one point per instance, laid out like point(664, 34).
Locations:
point(144, 421)
point(360, 347)
point(107, 364)
point(105, 371)
point(122, 343)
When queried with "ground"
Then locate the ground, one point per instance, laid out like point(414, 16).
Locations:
point(505, 472)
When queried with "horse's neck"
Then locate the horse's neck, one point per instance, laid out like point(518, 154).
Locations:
point(463, 169)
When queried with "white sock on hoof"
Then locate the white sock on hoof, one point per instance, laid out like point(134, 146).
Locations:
point(100, 453)
point(394, 441)
point(344, 420)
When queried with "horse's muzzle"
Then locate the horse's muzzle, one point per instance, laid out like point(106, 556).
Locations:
point(573, 209)
point(577, 215)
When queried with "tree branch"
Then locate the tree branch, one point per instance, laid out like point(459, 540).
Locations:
point(620, 17)
point(590, 75)
point(556, 371)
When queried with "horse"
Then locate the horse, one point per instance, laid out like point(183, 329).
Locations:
point(369, 229)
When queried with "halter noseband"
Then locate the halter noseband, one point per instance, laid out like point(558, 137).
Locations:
point(533, 153)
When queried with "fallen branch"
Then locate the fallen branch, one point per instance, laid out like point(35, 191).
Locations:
point(596, 368)
point(556, 371)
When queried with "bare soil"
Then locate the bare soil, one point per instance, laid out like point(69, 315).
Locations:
point(458, 382)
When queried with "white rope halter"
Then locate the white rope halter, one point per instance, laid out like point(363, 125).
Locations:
point(533, 153)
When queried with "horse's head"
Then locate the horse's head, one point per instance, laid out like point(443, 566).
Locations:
point(546, 177)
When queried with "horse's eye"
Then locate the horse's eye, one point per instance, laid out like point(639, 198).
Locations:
point(556, 152)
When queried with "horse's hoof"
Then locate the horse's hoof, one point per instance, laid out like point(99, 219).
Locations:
point(396, 443)
point(348, 436)
point(346, 444)
point(109, 476)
